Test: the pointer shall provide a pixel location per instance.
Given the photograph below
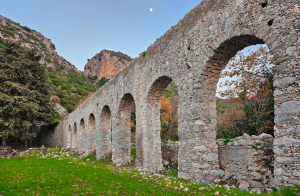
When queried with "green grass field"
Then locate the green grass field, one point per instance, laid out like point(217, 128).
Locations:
point(35, 175)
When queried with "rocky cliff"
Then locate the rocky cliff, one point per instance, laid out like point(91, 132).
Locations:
point(12, 31)
point(106, 64)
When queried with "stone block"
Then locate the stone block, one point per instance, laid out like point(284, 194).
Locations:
point(210, 157)
point(217, 173)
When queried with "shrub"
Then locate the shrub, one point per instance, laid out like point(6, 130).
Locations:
point(48, 59)
point(92, 77)
point(8, 32)
point(10, 28)
point(27, 29)
point(102, 81)
point(56, 99)
point(121, 56)
point(43, 45)
point(32, 37)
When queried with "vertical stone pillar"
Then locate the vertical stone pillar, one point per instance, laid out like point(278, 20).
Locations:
point(121, 143)
point(90, 136)
point(152, 156)
point(81, 138)
point(287, 134)
point(198, 151)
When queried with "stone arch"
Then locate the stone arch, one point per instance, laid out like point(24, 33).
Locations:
point(218, 61)
point(201, 135)
point(121, 143)
point(74, 138)
point(152, 156)
point(91, 135)
point(81, 138)
point(69, 138)
point(104, 142)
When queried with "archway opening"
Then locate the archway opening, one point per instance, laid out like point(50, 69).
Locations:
point(104, 144)
point(91, 135)
point(74, 143)
point(162, 125)
point(69, 138)
point(81, 140)
point(169, 129)
point(244, 108)
point(124, 151)
point(244, 95)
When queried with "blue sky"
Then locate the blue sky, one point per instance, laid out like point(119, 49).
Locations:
point(81, 28)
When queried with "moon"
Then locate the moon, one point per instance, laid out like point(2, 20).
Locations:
point(151, 9)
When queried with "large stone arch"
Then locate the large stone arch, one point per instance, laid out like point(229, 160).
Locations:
point(152, 157)
point(74, 137)
point(81, 137)
point(91, 135)
point(121, 142)
point(104, 142)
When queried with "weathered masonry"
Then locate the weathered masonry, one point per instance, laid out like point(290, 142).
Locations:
point(192, 55)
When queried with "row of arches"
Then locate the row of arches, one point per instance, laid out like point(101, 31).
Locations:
point(196, 119)
point(106, 137)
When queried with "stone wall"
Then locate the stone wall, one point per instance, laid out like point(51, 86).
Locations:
point(247, 162)
point(50, 135)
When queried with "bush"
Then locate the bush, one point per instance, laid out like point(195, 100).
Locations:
point(8, 32)
point(121, 56)
point(27, 29)
point(43, 45)
point(32, 37)
point(10, 28)
point(92, 77)
point(102, 81)
point(48, 59)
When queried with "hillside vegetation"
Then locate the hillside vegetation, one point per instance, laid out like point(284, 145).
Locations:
point(70, 88)
point(15, 32)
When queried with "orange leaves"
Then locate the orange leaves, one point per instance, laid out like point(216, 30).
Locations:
point(56, 99)
point(165, 109)
point(83, 100)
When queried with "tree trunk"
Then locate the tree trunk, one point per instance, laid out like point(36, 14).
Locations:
point(3, 141)
point(26, 139)
point(30, 139)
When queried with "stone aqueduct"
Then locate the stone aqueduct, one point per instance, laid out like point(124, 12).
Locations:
point(192, 55)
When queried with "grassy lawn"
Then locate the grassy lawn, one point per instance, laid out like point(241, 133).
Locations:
point(40, 174)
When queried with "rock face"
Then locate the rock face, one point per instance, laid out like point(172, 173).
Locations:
point(106, 64)
point(12, 31)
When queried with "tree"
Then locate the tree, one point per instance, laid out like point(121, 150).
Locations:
point(249, 96)
point(24, 91)
point(169, 121)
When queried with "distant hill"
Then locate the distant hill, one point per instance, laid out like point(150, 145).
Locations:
point(12, 31)
point(105, 64)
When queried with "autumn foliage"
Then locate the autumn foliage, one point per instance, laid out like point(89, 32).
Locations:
point(248, 99)
point(56, 99)
point(83, 100)
point(168, 117)
point(165, 109)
